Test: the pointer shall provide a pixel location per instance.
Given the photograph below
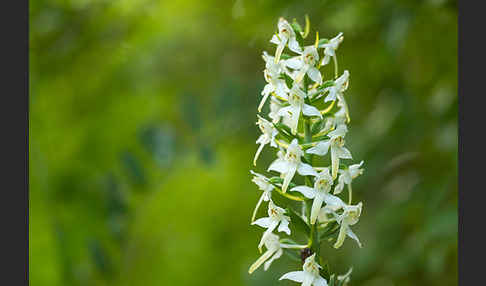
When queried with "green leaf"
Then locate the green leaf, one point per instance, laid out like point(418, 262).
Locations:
point(316, 245)
point(284, 131)
point(279, 181)
point(275, 180)
point(288, 80)
point(322, 42)
point(292, 255)
point(306, 146)
point(317, 126)
point(326, 271)
point(283, 128)
point(296, 26)
point(299, 223)
point(332, 280)
point(320, 138)
point(329, 230)
point(326, 84)
point(297, 29)
point(306, 82)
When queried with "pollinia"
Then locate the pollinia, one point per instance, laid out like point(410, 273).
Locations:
point(306, 126)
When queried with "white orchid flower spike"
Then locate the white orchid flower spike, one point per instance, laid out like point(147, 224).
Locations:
point(307, 115)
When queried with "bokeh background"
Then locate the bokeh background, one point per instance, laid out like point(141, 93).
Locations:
point(142, 136)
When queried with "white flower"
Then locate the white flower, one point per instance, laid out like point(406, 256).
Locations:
point(347, 176)
point(319, 194)
point(274, 83)
point(310, 275)
point(305, 64)
point(297, 105)
point(337, 89)
point(285, 35)
point(338, 118)
point(268, 136)
point(275, 106)
point(325, 215)
point(264, 185)
point(338, 151)
point(290, 164)
point(330, 49)
point(350, 216)
point(275, 217)
point(274, 251)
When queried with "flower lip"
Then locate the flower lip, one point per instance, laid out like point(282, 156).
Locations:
point(310, 55)
point(311, 266)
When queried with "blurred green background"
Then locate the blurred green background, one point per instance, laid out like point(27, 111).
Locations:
point(142, 136)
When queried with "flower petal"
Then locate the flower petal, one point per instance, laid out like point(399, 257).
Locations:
point(316, 207)
point(319, 281)
point(325, 60)
point(344, 153)
point(310, 110)
point(342, 235)
point(306, 170)
point(314, 74)
point(308, 192)
point(275, 40)
point(321, 148)
point(257, 206)
point(265, 222)
point(294, 118)
point(297, 276)
point(340, 186)
point(334, 161)
point(294, 63)
point(294, 45)
point(351, 234)
point(258, 152)
point(285, 111)
point(260, 260)
point(284, 226)
point(275, 256)
point(260, 106)
point(279, 165)
point(333, 202)
point(288, 177)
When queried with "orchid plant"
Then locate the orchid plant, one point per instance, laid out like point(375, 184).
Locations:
point(306, 125)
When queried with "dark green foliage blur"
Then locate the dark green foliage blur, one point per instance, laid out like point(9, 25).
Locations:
point(142, 135)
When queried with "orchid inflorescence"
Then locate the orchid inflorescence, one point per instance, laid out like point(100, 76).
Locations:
point(307, 120)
